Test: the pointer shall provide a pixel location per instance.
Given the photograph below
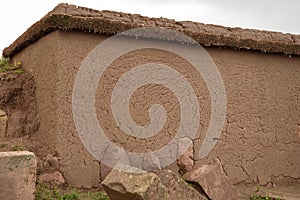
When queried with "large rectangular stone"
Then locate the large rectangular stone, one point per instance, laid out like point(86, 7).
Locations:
point(17, 175)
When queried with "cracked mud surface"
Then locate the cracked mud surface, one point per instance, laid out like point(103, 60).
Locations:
point(260, 140)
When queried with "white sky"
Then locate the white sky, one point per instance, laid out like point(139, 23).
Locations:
point(277, 15)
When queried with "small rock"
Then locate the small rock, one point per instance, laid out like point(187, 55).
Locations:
point(269, 185)
point(213, 181)
point(104, 171)
point(125, 182)
point(186, 162)
point(114, 156)
point(3, 123)
point(52, 161)
point(177, 188)
point(15, 123)
point(151, 162)
point(56, 178)
point(2, 113)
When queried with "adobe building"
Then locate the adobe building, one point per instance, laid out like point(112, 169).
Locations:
point(259, 142)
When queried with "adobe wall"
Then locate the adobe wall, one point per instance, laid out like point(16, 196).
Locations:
point(260, 140)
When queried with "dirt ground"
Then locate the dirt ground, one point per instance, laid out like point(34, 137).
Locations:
point(276, 192)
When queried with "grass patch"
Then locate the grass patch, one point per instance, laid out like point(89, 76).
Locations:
point(19, 71)
point(6, 65)
point(44, 193)
point(18, 148)
point(3, 145)
point(257, 197)
point(97, 196)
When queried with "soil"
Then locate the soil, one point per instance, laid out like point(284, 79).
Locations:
point(18, 101)
point(283, 192)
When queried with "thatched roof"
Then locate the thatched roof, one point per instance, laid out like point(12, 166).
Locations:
point(69, 18)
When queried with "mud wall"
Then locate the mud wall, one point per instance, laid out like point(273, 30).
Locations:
point(259, 142)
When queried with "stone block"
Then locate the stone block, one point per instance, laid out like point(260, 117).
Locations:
point(125, 182)
point(177, 188)
point(17, 175)
point(54, 178)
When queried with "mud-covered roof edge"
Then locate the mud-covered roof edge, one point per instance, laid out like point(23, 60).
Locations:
point(70, 17)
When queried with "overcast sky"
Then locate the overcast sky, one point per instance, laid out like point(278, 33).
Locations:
point(277, 15)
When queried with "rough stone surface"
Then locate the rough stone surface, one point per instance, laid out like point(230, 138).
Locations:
point(17, 175)
point(120, 185)
point(54, 178)
point(70, 17)
point(213, 181)
point(104, 171)
point(177, 188)
point(186, 161)
point(3, 123)
point(151, 163)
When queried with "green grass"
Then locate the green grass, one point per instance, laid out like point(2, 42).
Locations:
point(19, 71)
point(44, 193)
point(192, 185)
point(18, 148)
point(6, 65)
point(97, 196)
point(257, 197)
point(3, 145)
